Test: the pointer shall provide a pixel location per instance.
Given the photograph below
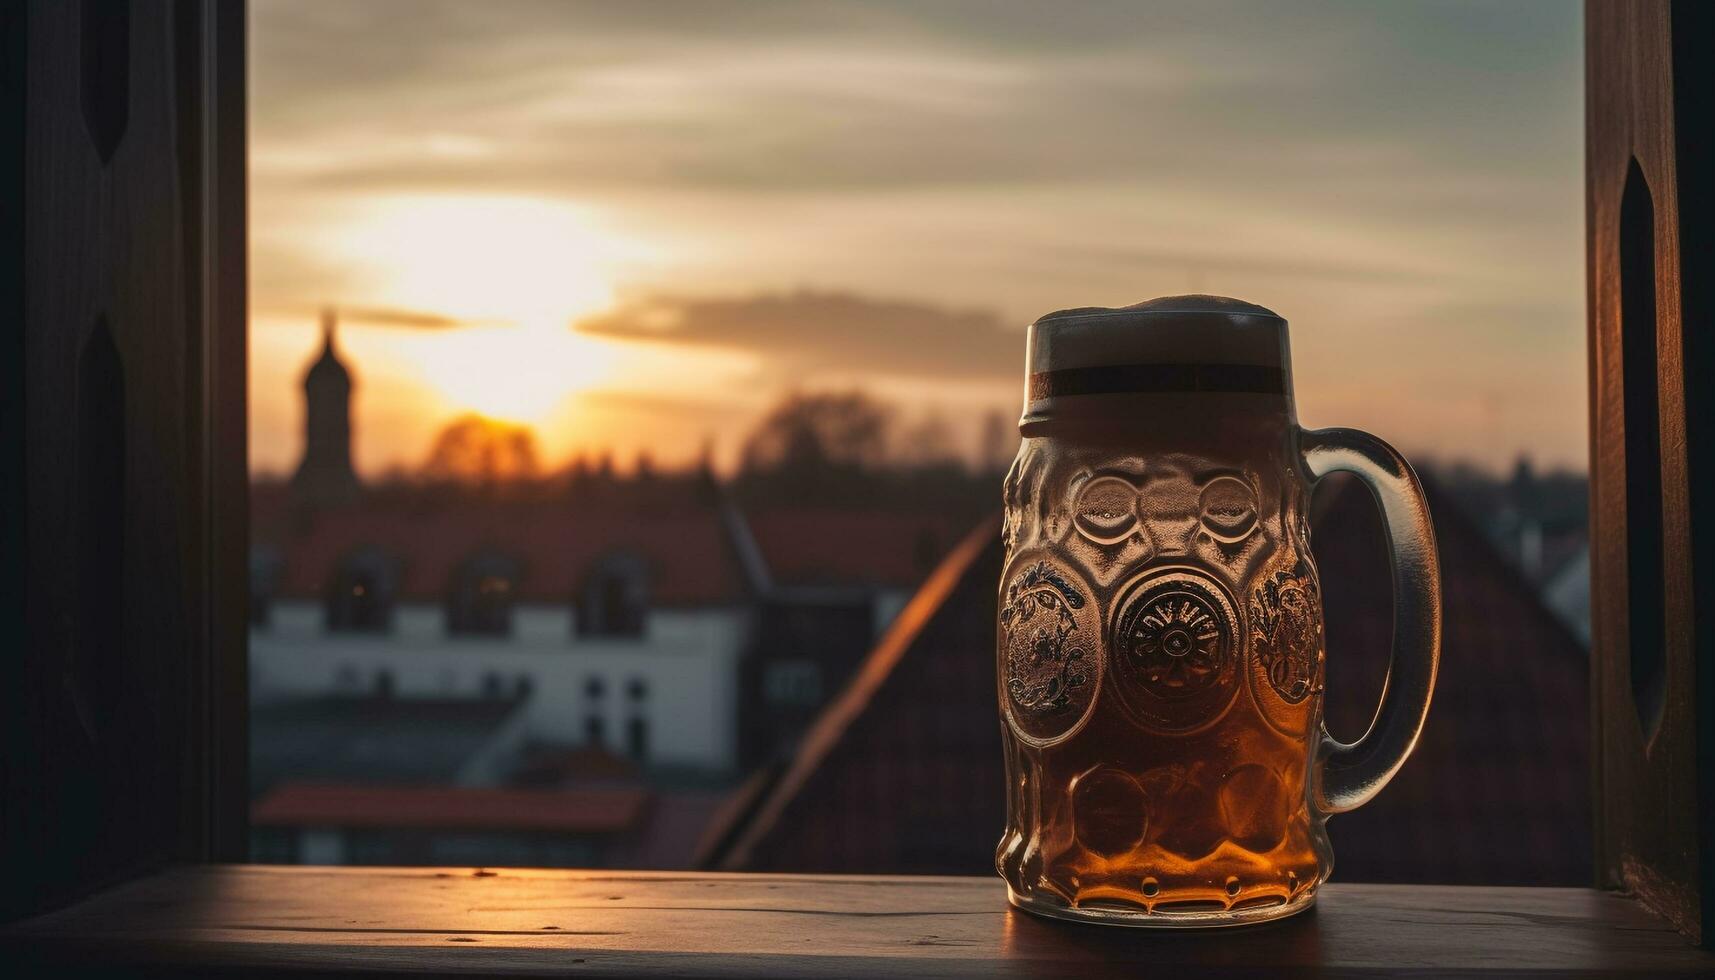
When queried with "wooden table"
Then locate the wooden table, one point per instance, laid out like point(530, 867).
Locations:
point(255, 919)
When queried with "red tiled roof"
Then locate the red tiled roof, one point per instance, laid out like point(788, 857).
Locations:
point(589, 811)
point(686, 549)
point(831, 546)
point(553, 765)
point(902, 773)
point(890, 775)
point(684, 543)
point(1498, 789)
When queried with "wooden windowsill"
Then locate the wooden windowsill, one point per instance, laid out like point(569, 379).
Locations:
point(249, 918)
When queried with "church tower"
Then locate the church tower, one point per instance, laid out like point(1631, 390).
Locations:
point(325, 475)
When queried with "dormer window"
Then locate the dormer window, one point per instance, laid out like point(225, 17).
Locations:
point(480, 597)
point(359, 596)
point(614, 598)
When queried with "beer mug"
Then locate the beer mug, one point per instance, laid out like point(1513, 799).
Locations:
point(1160, 639)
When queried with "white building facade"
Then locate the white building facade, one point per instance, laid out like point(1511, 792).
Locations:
point(665, 697)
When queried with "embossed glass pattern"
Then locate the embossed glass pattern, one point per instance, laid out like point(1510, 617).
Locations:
point(1160, 638)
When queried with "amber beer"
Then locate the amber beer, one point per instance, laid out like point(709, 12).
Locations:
point(1159, 637)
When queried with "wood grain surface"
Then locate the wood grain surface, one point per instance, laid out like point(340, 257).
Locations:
point(1646, 762)
point(122, 688)
point(250, 919)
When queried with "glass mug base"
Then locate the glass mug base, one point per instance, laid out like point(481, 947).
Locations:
point(1204, 915)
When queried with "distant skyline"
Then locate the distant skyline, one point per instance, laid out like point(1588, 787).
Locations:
point(637, 226)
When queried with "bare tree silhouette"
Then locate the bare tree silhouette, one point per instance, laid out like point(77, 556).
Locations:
point(479, 451)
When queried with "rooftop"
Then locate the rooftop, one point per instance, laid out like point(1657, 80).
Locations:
point(581, 811)
point(680, 535)
point(902, 771)
point(372, 739)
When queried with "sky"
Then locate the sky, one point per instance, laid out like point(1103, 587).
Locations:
point(637, 226)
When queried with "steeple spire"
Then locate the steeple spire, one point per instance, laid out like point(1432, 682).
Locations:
point(325, 474)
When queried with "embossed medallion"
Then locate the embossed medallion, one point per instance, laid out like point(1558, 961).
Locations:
point(1288, 632)
point(1175, 650)
point(1228, 507)
point(1050, 666)
point(1106, 512)
point(1286, 641)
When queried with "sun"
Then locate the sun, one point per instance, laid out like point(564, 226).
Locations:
point(513, 272)
point(515, 371)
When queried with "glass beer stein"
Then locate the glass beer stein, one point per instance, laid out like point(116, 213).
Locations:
point(1159, 644)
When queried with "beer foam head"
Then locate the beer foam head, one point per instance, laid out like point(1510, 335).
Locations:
point(1171, 345)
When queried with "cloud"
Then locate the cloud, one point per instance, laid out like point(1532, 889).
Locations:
point(807, 332)
point(381, 316)
point(1391, 176)
point(770, 98)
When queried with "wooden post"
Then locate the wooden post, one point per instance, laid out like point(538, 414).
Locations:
point(123, 657)
point(1649, 181)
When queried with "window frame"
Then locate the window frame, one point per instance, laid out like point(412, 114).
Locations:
point(1642, 77)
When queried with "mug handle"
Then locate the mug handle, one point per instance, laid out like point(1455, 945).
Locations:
point(1348, 776)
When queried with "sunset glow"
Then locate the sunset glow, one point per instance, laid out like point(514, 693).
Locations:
point(499, 280)
point(635, 230)
point(483, 258)
point(519, 371)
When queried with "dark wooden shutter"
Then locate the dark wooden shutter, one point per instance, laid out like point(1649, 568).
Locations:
point(1651, 174)
point(124, 473)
